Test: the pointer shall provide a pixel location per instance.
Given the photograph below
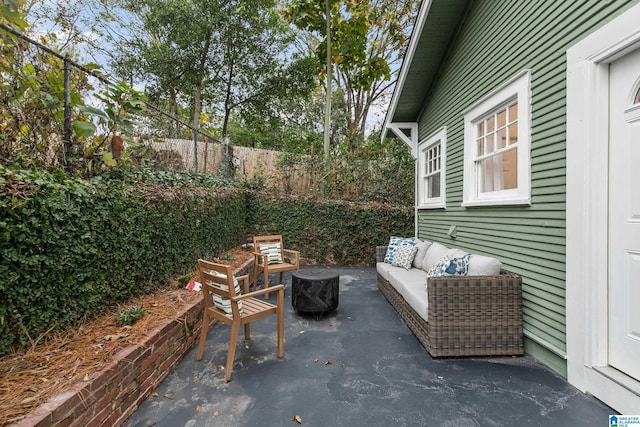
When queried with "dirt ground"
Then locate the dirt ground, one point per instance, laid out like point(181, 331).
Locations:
point(50, 366)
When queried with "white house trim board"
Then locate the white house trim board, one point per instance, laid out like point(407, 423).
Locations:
point(587, 211)
point(406, 62)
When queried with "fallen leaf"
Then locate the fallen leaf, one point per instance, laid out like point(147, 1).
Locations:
point(216, 413)
point(328, 362)
point(297, 419)
point(195, 378)
point(155, 393)
point(44, 380)
point(198, 408)
point(170, 396)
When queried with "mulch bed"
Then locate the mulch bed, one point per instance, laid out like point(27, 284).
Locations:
point(32, 376)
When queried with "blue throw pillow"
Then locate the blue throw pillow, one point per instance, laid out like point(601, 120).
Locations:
point(395, 242)
point(455, 267)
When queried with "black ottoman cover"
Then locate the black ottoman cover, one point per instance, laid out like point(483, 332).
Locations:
point(315, 291)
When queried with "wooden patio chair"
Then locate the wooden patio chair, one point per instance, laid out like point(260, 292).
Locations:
point(224, 302)
point(271, 257)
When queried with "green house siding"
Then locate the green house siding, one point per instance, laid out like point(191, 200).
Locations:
point(495, 41)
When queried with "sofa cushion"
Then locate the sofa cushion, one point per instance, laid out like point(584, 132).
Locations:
point(404, 256)
point(434, 254)
point(414, 294)
point(395, 242)
point(456, 253)
point(480, 265)
point(402, 278)
point(383, 269)
point(422, 246)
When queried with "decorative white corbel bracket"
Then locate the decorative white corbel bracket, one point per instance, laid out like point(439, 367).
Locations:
point(408, 133)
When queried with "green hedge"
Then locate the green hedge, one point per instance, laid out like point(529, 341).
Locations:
point(71, 249)
point(329, 232)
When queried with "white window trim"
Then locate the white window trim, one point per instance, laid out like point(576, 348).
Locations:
point(439, 136)
point(517, 88)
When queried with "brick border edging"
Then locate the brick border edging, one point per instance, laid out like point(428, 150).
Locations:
point(113, 394)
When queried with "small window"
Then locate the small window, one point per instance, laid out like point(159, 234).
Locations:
point(632, 113)
point(497, 147)
point(431, 170)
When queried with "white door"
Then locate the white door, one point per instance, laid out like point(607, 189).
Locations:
point(624, 214)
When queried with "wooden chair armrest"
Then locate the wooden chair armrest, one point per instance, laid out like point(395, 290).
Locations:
point(258, 255)
point(291, 253)
point(276, 288)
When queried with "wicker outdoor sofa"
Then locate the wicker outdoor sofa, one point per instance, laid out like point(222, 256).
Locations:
point(466, 315)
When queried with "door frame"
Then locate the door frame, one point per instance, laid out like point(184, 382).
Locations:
point(587, 211)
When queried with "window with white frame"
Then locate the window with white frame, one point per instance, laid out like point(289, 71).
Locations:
point(432, 170)
point(497, 141)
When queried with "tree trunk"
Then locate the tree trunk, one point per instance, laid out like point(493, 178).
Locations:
point(197, 100)
point(196, 122)
point(228, 151)
point(327, 106)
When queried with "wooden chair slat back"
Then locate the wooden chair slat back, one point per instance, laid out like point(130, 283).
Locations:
point(277, 238)
point(211, 282)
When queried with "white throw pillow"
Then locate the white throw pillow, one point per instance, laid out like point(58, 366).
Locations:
point(422, 247)
point(434, 254)
point(404, 256)
point(224, 303)
point(273, 251)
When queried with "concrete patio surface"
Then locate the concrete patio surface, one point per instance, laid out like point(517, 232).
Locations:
point(358, 366)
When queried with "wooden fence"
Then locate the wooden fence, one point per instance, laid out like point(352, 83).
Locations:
point(251, 164)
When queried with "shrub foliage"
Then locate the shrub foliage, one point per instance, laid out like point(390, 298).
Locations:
point(71, 248)
point(329, 231)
